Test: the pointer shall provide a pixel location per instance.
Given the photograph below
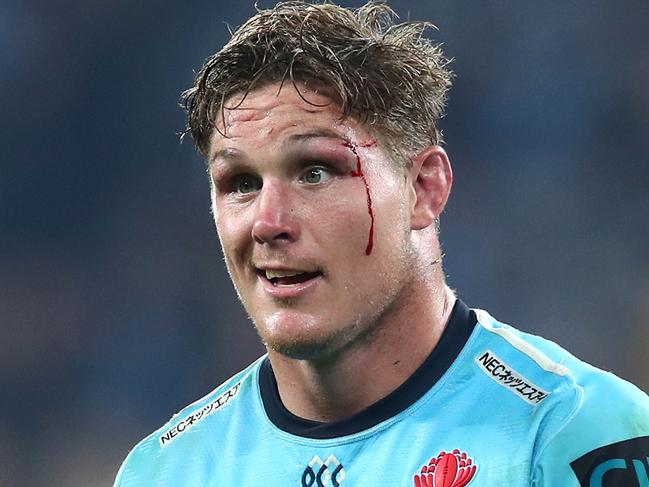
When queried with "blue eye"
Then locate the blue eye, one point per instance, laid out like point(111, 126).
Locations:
point(245, 183)
point(315, 175)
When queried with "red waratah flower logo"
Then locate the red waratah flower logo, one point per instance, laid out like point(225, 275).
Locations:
point(453, 469)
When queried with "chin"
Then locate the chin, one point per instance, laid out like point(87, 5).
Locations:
point(300, 349)
point(299, 345)
point(303, 337)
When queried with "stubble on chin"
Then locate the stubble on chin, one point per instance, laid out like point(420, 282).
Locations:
point(324, 341)
point(300, 340)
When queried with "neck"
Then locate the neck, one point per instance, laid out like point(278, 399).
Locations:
point(333, 388)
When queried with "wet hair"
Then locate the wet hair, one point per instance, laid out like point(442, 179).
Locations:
point(386, 75)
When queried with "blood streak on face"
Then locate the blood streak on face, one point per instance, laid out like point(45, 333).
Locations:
point(351, 145)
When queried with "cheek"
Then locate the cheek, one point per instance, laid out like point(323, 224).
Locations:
point(342, 220)
point(392, 222)
point(231, 229)
point(354, 221)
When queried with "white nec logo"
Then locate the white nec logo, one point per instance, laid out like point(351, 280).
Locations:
point(329, 473)
point(506, 376)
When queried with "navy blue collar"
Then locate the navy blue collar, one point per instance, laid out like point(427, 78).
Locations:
point(453, 339)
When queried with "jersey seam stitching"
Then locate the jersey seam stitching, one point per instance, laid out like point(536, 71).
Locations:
point(579, 391)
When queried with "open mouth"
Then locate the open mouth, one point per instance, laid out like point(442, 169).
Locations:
point(287, 278)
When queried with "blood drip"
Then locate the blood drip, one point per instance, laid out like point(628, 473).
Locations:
point(359, 174)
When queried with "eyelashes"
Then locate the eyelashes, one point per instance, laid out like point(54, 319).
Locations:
point(316, 175)
point(246, 183)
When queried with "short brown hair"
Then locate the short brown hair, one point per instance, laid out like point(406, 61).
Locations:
point(386, 75)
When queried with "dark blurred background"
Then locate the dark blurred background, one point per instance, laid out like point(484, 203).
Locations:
point(115, 309)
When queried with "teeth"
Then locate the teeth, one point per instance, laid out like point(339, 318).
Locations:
point(271, 274)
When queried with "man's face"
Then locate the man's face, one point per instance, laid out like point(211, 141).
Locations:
point(294, 192)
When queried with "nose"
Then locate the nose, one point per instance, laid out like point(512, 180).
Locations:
point(274, 221)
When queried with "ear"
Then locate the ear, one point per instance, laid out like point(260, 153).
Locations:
point(431, 178)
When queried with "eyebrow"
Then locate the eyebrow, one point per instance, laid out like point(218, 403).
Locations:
point(230, 153)
point(227, 153)
point(322, 133)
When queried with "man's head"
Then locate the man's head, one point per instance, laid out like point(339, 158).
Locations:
point(325, 189)
point(386, 75)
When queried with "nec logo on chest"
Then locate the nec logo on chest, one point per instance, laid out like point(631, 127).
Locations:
point(621, 464)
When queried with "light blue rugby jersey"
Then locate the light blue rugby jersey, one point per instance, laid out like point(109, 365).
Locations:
point(491, 406)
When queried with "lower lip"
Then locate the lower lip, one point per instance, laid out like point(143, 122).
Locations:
point(290, 291)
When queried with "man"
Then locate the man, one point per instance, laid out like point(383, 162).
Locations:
point(319, 128)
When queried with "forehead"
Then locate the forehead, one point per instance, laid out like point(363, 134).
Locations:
point(273, 115)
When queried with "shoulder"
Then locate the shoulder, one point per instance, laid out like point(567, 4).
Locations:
point(534, 369)
point(178, 438)
point(599, 423)
point(609, 430)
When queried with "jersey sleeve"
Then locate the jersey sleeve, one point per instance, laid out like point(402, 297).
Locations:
point(604, 443)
